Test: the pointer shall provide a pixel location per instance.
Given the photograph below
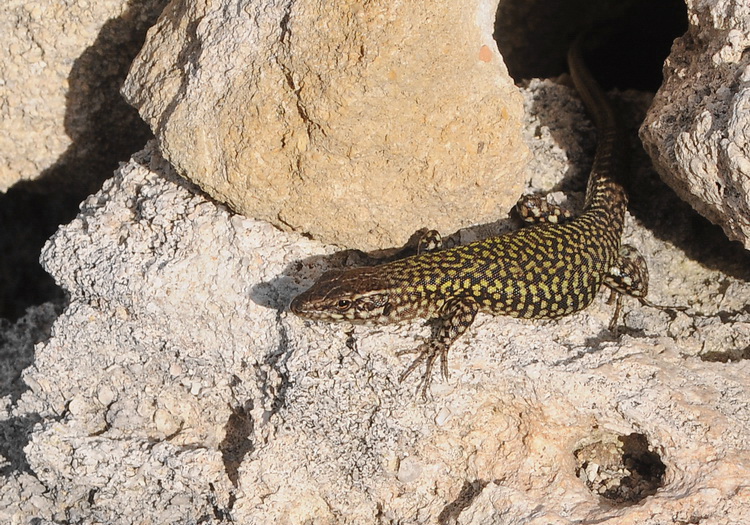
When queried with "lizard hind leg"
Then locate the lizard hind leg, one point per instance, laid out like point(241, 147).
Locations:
point(629, 276)
point(536, 209)
point(455, 317)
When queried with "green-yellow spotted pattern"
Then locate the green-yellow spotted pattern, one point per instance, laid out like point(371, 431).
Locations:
point(545, 271)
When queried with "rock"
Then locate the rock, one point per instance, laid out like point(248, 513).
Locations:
point(177, 388)
point(350, 124)
point(61, 66)
point(17, 342)
point(698, 129)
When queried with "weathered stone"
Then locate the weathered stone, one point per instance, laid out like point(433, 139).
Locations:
point(61, 66)
point(358, 124)
point(698, 129)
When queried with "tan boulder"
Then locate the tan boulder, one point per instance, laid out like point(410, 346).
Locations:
point(358, 124)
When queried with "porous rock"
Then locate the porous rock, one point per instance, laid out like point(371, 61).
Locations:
point(351, 124)
point(177, 388)
point(698, 129)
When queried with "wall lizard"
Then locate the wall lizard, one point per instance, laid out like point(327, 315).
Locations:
point(550, 269)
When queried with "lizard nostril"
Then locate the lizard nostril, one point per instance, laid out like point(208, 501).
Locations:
point(296, 305)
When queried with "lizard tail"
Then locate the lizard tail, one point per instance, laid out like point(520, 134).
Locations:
point(610, 161)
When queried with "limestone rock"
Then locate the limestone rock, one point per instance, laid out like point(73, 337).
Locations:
point(176, 388)
point(357, 125)
point(698, 129)
point(61, 66)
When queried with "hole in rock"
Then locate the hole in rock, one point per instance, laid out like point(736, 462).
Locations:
point(635, 37)
point(621, 469)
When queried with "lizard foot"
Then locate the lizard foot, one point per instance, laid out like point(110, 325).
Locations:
point(427, 353)
point(536, 209)
point(616, 298)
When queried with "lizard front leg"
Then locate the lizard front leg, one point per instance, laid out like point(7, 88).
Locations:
point(454, 318)
point(629, 276)
point(429, 241)
point(421, 241)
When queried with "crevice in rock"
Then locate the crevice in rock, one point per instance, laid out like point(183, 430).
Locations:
point(96, 114)
point(277, 361)
point(14, 436)
point(281, 60)
point(469, 492)
point(533, 37)
point(729, 356)
point(221, 514)
point(17, 343)
point(236, 443)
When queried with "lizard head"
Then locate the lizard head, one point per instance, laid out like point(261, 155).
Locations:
point(344, 295)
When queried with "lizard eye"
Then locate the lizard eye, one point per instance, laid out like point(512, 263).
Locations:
point(343, 304)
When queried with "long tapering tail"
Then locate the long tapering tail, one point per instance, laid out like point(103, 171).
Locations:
point(610, 161)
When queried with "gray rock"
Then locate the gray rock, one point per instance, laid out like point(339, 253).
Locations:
point(698, 128)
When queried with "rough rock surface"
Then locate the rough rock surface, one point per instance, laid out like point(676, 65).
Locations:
point(698, 129)
point(61, 66)
point(343, 123)
point(176, 388)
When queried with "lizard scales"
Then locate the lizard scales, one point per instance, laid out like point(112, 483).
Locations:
point(547, 270)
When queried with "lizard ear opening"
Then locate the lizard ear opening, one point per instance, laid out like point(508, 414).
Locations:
point(373, 302)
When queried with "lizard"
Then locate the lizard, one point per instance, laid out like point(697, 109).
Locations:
point(552, 268)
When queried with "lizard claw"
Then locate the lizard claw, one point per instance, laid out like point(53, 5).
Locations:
point(428, 353)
